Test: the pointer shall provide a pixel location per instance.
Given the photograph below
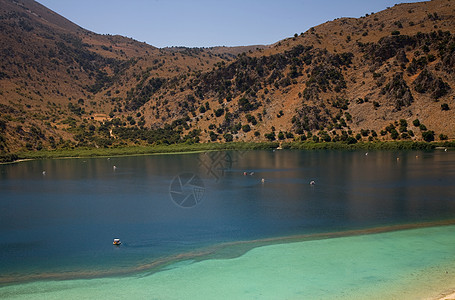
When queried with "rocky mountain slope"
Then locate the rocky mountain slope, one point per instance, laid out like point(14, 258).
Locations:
point(385, 76)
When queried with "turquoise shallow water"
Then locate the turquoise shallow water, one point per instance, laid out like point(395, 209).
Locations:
point(407, 264)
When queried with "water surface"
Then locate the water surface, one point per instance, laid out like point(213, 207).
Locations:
point(58, 217)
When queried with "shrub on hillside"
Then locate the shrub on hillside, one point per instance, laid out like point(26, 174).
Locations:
point(428, 136)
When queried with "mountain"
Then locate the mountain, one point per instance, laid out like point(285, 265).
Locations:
point(385, 76)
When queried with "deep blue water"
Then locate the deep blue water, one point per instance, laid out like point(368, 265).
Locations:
point(61, 215)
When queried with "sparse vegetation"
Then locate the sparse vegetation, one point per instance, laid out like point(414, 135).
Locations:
point(428, 136)
point(69, 92)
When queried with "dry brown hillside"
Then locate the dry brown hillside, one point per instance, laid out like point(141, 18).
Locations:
point(387, 75)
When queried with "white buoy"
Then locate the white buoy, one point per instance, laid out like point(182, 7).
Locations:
point(312, 182)
point(366, 153)
point(114, 167)
point(262, 180)
point(44, 172)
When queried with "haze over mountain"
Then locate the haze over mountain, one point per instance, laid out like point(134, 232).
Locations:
point(388, 75)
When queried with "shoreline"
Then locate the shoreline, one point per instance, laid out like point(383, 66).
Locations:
point(16, 161)
point(447, 296)
point(136, 151)
point(205, 147)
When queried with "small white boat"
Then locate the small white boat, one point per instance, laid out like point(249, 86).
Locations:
point(117, 242)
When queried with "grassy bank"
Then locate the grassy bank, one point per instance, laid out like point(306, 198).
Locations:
point(179, 148)
point(392, 145)
point(135, 150)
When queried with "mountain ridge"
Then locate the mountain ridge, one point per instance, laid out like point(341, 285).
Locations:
point(350, 79)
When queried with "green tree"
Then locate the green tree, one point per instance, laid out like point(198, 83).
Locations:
point(350, 140)
point(270, 136)
point(219, 112)
point(394, 134)
point(364, 132)
point(289, 135)
point(2, 125)
point(428, 136)
point(251, 119)
point(325, 136)
point(246, 128)
point(228, 137)
point(403, 125)
point(213, 136)
point(373, 133)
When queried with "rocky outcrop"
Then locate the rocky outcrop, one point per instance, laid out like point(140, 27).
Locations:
point(426, 82)
point(398, 92)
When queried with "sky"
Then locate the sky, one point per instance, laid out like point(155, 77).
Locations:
point(207, 23)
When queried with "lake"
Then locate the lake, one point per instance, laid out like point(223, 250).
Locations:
point(58, 218)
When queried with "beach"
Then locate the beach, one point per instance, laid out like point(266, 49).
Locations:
point(450, 296)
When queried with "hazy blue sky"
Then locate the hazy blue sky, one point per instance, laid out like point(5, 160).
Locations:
point(204, 23)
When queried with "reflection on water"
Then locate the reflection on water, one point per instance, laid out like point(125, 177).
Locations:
point(61, 215)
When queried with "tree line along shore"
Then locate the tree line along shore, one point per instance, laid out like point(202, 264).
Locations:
point(198, 147)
